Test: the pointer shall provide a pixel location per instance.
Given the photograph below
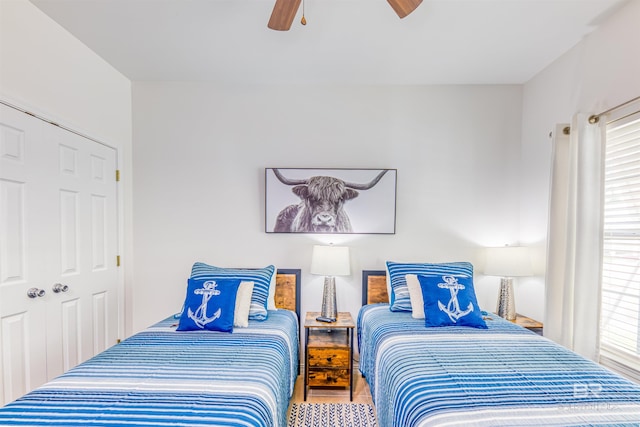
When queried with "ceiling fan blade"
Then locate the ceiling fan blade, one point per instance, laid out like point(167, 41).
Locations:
point(404, 7)
point(283, 13)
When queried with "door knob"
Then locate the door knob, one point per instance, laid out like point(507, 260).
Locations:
point(59, 287)
point(35, 292)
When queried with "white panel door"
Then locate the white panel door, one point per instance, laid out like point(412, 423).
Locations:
point(58, 234)
point(85, 278)
point(25, 228)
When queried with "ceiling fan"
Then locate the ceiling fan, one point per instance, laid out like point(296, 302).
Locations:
point(285, 10)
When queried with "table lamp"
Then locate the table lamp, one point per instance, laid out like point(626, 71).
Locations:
point(330, 261)
point(507, 262)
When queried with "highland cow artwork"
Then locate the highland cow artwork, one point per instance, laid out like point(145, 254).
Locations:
point(346, 201)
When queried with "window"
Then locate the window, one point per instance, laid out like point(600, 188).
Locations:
point(620, 306)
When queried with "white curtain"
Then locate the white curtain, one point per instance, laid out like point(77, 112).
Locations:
point(575, 237)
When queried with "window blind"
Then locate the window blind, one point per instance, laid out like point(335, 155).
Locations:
point(620, 297)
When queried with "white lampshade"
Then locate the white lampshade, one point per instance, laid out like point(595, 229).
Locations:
point(330, 261)
point(508, 261)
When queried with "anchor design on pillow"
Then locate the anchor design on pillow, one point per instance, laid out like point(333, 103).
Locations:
point(453, 307)
point(200, 316)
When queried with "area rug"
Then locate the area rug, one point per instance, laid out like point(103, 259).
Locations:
point(332, 415)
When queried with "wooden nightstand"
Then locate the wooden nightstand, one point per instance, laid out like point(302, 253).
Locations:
point(527, 322)
point(329, 352)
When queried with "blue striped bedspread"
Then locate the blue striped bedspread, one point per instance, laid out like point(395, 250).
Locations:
point(501, 376)
point(160, 377)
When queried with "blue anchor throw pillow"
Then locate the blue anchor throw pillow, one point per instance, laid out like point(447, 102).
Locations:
point(450, 300)
point(209, 305)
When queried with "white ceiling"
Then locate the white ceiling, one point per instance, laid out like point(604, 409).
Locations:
point(344, 41)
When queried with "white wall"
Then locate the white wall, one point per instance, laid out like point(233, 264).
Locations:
point(200, 152)
point(45, 70)
point(602, 71)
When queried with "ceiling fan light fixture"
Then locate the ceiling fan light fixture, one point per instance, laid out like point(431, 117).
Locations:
point(404, 7)
point(284, 12)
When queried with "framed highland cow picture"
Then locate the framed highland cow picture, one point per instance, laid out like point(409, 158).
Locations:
point(338, 201)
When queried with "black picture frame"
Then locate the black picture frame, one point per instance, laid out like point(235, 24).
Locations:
point(330, 201)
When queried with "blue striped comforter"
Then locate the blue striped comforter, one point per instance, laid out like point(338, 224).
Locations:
point(502, 376)
point(160, 377)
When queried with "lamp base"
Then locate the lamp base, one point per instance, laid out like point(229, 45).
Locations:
point(329, 311)
point(506, 307)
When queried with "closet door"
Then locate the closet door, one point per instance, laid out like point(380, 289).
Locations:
point(25, 233)
point(58, 234)
point(85, 272)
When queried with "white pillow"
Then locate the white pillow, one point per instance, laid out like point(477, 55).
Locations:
point(243, 304)
point(271, 298)
point(415, 295)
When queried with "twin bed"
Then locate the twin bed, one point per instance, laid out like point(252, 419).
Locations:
point(161, 376)
point(504, 375)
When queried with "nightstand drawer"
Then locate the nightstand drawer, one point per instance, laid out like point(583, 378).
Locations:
point(329, 377)
point(329, 357)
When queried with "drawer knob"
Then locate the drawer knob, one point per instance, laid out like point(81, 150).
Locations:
point(329, 359)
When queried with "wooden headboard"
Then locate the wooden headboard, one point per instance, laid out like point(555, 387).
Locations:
point(288, 289)
point(374, 286)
